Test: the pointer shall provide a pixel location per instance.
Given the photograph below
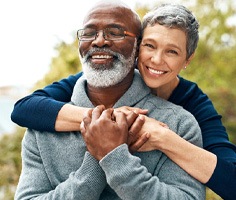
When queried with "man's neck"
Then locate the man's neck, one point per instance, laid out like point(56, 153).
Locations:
point(110, 95)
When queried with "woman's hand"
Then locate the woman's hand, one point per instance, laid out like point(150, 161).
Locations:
point(151, 136)
point(127, 110)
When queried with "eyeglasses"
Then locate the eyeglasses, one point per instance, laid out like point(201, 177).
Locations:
point(89, 34)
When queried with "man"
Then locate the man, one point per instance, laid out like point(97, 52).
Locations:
point(58, 166)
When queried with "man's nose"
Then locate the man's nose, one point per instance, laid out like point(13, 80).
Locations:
point(100, 39)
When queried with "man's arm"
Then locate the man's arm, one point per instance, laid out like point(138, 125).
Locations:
point(87, 182)
point(131, 180)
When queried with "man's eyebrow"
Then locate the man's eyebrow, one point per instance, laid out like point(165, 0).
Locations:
point(107, 26)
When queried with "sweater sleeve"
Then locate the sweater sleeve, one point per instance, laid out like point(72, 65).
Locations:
point(223, 180)
point(39, 110)
point(87, 182)
point(131, 180)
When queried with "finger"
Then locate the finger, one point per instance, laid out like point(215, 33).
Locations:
point(139, 143)
point(127, 110)
point(121, 120)
point(108, 114)
point(131, 117)
point(137, 124)
point(97, 111)
point(82, 127)
point(135, 129)
point(88, 113)
point(141, 111)
point(87, 118)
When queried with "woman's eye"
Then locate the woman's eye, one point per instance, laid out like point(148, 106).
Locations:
point(148, 45)
point(173, 52)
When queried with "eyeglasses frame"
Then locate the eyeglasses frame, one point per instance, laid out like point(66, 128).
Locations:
point(126, 33)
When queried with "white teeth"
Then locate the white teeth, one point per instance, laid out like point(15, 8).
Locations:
point(102, 56)
point(156, 71)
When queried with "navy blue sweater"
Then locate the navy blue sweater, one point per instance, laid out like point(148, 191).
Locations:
point(47, 102)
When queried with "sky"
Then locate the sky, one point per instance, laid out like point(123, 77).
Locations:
point(29, 31)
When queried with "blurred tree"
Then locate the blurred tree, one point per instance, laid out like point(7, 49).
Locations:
point(10, 163)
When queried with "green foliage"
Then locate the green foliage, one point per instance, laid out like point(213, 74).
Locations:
point(210, 195)
point(10, 162)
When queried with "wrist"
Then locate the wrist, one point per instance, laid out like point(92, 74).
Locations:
point(167, 140)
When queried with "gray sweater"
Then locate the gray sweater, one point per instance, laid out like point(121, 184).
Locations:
point(57, 166)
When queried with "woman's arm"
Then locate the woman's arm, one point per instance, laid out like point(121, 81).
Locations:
point(69, 118)
point(42, 109)
point(215, 168)
point(182, 152)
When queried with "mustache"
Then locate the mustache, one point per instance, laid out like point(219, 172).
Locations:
point(102, 50)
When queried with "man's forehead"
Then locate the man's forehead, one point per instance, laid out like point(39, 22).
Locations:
point(104, 15)
point(109, 3)
point(108, 10)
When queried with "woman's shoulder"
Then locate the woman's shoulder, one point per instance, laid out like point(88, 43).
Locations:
point(186, 91)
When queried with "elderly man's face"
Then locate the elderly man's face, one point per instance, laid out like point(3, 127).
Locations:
point(107, 62)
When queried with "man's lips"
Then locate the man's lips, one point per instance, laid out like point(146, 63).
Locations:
point(102, 56)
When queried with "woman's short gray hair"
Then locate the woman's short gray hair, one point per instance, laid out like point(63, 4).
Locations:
point(175, 16)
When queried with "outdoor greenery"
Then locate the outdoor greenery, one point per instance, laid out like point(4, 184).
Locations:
point(213, 68)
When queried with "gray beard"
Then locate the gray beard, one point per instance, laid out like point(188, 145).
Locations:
point(102, 76)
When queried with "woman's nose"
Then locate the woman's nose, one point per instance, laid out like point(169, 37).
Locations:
point(157, 58)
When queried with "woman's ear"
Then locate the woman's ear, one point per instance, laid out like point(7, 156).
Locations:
point(189, 60)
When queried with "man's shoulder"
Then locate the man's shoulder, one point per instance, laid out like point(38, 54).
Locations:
point(162, 103)
point(168, 111)
point(176, 117)
point(32, 137)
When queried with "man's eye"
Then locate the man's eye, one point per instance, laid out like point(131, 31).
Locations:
point(89, 33)
point(115, 33)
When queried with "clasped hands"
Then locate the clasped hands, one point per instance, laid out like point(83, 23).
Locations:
point(105, 129)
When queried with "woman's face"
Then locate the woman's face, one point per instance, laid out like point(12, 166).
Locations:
point(162, 55)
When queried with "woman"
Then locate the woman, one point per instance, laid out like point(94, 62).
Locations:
point(170, 36)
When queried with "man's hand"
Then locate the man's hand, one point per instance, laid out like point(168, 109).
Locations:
point(103, 130)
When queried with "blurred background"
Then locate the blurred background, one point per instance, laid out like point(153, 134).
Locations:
point(38, 46)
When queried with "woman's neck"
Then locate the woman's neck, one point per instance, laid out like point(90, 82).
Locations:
point(166, 90)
